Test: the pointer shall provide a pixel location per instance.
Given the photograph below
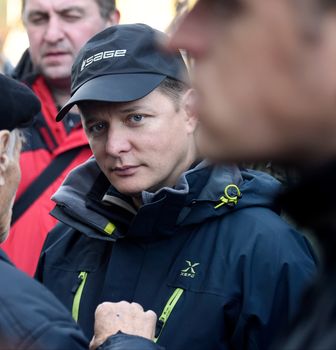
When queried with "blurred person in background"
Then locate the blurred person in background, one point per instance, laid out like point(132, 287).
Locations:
point(5, 65)
point(147, 221)
point(266, 76)
point(56, 29)
point(30, 316)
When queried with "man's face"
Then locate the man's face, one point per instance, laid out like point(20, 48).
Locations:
point(10, 177)
point(141, 145)
point(261, 84)
point(57, 29)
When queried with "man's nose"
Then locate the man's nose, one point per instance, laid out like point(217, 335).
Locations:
point(118, 142)
point(54, 31)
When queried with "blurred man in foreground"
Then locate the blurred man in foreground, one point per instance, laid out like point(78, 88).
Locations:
point(30, 316)
point(266, 75)
point(56, 29)
point(264, 72)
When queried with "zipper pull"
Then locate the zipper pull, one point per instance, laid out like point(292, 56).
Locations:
point(167, 311)
point(231, 195)
point(77, 290)
point(80, 279)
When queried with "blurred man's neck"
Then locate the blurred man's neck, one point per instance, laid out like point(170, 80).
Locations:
point(60, 90)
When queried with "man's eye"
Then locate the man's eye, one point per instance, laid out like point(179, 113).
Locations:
point(97, 128)
point(71, 17)
point(136, 118)
point(36, 20)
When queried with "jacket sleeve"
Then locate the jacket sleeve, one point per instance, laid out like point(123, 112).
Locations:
point(123, 341)
point(273, 275)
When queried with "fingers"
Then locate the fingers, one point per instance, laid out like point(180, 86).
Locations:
point(129, 318)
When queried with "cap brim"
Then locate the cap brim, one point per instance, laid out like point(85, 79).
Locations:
point(113, 88)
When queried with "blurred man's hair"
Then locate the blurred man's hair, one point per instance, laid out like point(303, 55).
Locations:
point(106, 7)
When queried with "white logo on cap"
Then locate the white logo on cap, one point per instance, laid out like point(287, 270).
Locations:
point(102, 56)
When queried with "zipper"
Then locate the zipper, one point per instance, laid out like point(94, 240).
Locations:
point(167, 311)
point(78, 290)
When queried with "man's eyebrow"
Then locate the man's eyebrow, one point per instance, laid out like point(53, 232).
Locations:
point(37, 13)
point(132, 109)
point(88, 117)
point(70, 8)
point(62, 11)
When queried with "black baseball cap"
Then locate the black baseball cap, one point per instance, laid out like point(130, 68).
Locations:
point(18, 104)
point(120, 64)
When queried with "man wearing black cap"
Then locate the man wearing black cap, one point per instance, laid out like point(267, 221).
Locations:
point(30, 316)
point(146, 221)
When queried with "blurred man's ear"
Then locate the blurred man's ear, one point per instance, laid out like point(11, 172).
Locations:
point(4, 160)
point(188, 104)
point(114, 18)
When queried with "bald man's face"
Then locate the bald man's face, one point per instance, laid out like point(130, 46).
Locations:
point(262, 78)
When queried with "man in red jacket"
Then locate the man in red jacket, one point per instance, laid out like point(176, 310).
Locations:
point(56, 29)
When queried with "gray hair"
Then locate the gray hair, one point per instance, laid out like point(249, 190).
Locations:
point(15, 139)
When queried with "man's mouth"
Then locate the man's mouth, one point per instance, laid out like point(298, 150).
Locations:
point(126, 170)
point(55, 54)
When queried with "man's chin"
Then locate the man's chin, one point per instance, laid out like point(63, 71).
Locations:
point(235, 152)
point(60, 74)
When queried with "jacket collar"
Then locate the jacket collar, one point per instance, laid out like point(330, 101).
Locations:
point(4, 257)
point(87, 199)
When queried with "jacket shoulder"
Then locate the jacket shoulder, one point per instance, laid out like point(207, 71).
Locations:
point(31, 315)
point(263, 226)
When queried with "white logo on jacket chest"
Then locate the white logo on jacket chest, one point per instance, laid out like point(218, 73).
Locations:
point(190, 270)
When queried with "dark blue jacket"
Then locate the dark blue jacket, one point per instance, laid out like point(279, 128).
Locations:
point(220, 271)
point(31, 318)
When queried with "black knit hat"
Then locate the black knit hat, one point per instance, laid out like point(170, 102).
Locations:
point(18, 104)
point(120, 64)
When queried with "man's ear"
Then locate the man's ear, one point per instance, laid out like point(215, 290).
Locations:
point(4, 160)
point(113, 19)
point(189, 106)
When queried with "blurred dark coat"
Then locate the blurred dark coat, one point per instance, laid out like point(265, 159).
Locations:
point(312, 204)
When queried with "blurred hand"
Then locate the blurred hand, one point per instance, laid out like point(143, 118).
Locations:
point(129, 318)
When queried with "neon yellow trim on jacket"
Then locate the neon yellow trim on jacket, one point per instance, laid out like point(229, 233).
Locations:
point(169, 308)
point(78, 296)
point(109, 228)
